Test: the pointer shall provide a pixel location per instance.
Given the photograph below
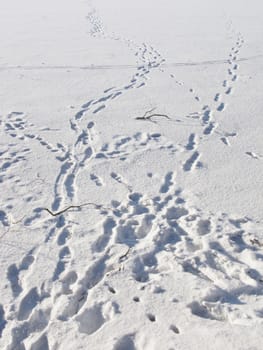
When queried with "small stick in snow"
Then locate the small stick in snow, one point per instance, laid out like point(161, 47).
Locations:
point(96, 206)
point(148, 117)
point(124, 255)
point(255, 241)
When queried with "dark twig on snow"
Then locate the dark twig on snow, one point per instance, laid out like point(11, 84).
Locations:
point(122, 257)
point(148, 115)
point(96, 206)
point(255, 241)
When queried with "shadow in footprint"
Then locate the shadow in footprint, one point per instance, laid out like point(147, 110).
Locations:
point(91, 320)
point(63, 237)
point(64, 256)
point(167, 183)
point(41, 343)
point(139, 272)
point(27, 304)
point(125, 343)
point(189, 164)
point(174, 329)
point(199, 310)
point(2, 320)
point(3, 218)
point(12, 276)
point(191, 143)
point(204, 227)
point(103, 240)
point(151, 317)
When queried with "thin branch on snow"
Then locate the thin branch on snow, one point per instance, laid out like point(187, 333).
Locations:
point(96, 206)
point(148, 115)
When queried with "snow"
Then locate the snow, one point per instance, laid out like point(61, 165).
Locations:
point(131, 175)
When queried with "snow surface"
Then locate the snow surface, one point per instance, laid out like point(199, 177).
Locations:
point(131, 148)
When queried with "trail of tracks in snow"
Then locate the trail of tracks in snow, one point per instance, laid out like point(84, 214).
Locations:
point(212, 111)
point(163, 222)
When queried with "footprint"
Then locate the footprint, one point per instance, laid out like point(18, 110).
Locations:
point(206, 116)
point(138, 271)
point(27, 304)
point(221, 107)
point(191, 143)
point(102, 99)
point(3, 218)
point(91, 320)
point(167, 182)
point(125, 343)
point(209, 129)
point(111, 290)
point(41, 343)
point(126, 233)
point(19, 333)
point(151, 317)
point(200, 310)
point(146, 226)
point(63, 236)
point(253, 155)
point(204, 227)
point(92, 277)
point(175, 213)
point(96, 179)
point(88, 104)
point(70, 278)
point(64, 257)
point(100, 108)
point(13, 277)
point(174, 329)
point(116, 95)
point(228, 91)
point(103, 240)
point(27, 261)
point(136, 299)
point(190, 163)
point(225, 141)
point(120, 180)
point(2, 320)
point(217, 97)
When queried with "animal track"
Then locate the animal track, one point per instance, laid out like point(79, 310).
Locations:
point(96, 179)
point(191, 162)
point(147, 58)
point(154, 233)
point(253, 155)
point(217, 97)
point(174, 329)
point(221, 107)
point(191, 145)
point(167, 183)
point(17, 127)
point(208, 112)
point(151, 317)
point(123, 146)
